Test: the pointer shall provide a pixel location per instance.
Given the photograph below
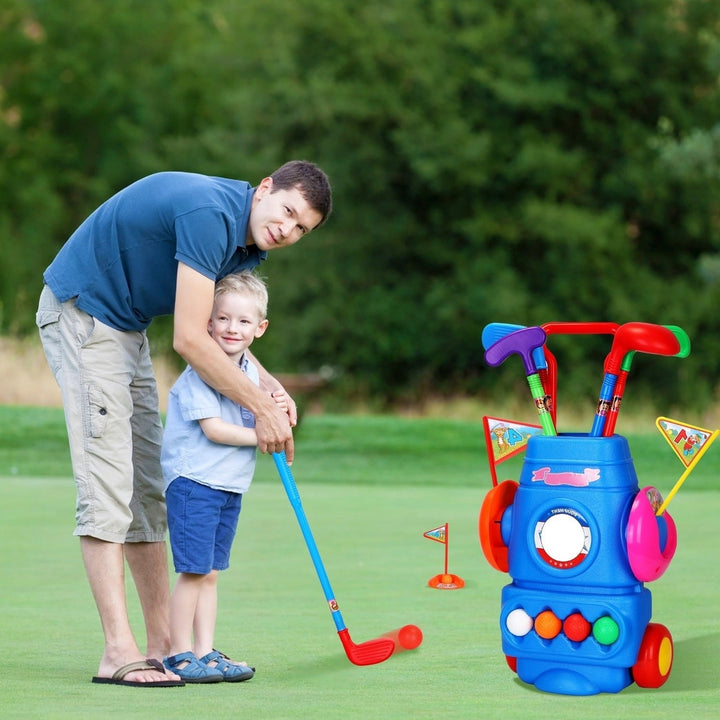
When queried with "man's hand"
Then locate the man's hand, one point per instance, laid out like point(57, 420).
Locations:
point(274, 433)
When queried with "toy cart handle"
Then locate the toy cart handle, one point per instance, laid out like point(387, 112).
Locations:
point(568, 328)
point(580, 328)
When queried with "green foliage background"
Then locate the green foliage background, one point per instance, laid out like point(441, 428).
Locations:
point(518, 161)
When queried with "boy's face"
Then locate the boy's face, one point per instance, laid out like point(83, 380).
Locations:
point(280, 218)
point(235, 323)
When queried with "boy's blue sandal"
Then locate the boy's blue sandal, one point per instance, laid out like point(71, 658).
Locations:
point(229, 670)
point(195, 671)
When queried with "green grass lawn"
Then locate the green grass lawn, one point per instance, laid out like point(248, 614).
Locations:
point(370, 486)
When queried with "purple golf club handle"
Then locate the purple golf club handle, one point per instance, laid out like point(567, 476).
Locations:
point(521, 342)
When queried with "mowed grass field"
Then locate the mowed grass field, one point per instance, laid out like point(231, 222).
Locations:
point(371, 486)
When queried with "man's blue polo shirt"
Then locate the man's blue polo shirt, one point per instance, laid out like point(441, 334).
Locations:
point(121, 263)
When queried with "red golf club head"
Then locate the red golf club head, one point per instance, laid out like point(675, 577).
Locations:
point(369, 652)
point(640, 337)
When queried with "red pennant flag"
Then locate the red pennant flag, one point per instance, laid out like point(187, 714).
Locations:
point(506, 438)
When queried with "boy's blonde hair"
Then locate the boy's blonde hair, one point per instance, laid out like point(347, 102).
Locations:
point(245, 283)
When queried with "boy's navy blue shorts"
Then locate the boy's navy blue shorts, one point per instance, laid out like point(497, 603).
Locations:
point(202, 522)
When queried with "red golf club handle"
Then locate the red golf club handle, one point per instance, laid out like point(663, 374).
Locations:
point(611, 419)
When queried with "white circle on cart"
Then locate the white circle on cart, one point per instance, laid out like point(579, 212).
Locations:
point(563, 537)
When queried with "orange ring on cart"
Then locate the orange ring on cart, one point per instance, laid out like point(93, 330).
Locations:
point(491, 512)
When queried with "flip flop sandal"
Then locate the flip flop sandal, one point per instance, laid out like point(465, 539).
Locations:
point(118, 677)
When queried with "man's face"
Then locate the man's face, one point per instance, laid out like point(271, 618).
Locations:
point(280, 218)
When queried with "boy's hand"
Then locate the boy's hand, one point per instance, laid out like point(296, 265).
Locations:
point(286, 403)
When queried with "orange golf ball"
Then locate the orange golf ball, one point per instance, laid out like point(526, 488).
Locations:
point(408, 637)
point(548, 625)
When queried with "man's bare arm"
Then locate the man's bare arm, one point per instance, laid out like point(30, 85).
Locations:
point(269, 383)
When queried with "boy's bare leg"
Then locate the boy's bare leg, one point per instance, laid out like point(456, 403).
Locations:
point(206, 615)
point(183, 609)
point(105, 568)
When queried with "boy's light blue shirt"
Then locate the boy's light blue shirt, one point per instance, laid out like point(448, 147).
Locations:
point(187, 452)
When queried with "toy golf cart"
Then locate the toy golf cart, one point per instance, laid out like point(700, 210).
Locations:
point(577, 534)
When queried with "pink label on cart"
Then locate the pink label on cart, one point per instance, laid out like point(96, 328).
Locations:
point(583, 479)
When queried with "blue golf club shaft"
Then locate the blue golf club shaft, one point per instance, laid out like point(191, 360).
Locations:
point(294, 496)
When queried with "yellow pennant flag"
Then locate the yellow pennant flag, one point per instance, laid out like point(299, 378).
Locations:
point(689, 443)
point(686, 440)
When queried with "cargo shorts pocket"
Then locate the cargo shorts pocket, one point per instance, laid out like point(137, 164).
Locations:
point(43, 318)
point(47, 321)
point(97, 417)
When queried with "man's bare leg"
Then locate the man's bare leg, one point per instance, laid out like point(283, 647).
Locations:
point(149, 568)
point(105, 568)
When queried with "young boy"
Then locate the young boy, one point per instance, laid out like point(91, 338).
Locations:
point(208, 460)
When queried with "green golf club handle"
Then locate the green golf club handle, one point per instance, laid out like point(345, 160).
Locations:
point(538, 394)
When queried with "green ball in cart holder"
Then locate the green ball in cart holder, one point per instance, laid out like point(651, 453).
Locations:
point(605, 630)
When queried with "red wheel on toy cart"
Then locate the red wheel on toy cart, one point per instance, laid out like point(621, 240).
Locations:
point(491, 512)
point(655, 657)
point(512, 662)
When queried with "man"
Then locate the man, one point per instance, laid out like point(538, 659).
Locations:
point(157, 247)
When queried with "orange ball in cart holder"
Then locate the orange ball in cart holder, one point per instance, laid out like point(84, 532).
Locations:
point(576, 533)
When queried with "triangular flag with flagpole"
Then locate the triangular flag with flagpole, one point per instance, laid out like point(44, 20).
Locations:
point(505, 439)
point(689, 443)
point(686, 440)
point(438, 534)
point(445, 581)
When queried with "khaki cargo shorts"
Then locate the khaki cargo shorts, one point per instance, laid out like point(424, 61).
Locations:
point(113, 422)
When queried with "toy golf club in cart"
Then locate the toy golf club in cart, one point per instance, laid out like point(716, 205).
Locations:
point(577, 534)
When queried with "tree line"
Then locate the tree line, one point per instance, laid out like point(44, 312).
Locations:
point(520, 161)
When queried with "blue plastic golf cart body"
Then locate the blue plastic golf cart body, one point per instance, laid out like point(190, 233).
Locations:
point(584, 485)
